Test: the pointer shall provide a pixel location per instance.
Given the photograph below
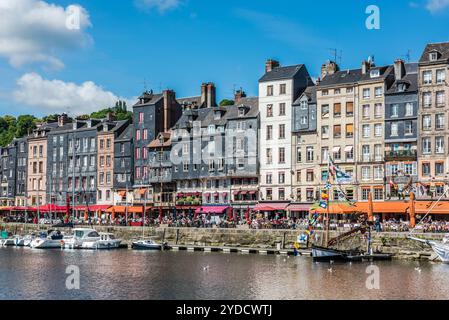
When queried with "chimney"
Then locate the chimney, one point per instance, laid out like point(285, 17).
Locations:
point(169, 99)
point(318, 81)
point(110, 116)
point(211, 95)
point(238, 95)
point(271, 64)
point(330, 67)
point(365, 66)
point(399, 69)
point(203, 94)
point(62, 119)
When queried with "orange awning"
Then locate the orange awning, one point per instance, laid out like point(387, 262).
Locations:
point(122, 209)
point(398, 207)
point(422, 207)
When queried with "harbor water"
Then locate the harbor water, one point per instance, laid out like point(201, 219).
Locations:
point(126, 274)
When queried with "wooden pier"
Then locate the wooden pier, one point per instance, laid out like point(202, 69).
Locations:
point(239, 250)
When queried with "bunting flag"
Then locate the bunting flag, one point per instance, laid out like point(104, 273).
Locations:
point(342, 177)
point(342, 196)
point(323, 204)
point(324, 196)
point(331, 166)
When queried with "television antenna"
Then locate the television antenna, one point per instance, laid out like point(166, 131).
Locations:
point(408, 55)
point(337, 54)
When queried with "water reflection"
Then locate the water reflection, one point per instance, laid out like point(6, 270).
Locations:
point(126, 274)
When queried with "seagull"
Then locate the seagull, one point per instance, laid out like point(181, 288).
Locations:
point(418, 269)
point(206, 268)
point(330, 270)
point(285, 260)
point(331, 262)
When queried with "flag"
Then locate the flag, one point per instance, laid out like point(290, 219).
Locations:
point(323, 204)
point(342, 176)
point(342, 196)
point(324, 196)
point(331, 166)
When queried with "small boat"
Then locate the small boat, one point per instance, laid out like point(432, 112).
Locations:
point(148, 244)
point(52, 240)
point(8, 242)
point(23, 241)
point(323, 254)
point(82, 238)
point(108, 241)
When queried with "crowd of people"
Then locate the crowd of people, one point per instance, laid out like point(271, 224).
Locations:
point(254, 221)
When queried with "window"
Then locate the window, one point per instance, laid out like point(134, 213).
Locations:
point(269, 110)
point(282, 109)
point(439, 144)
point(426, 145)
point(269, 194)
point(378, 193)
point(378, 173)
point(269, 90)
point(439, 168)
point(303, 120)
point(269, 178)
point(366, 174)
point(337, 131)
point(337, 153)
point(269, 156)
point(408, 130)
point(378, 130)
point(365, 152)
point(138, 153)
point(378, 112)
point(304, 105)
point(394, 110)
point(137, 136)
point(439, 121)
point(325, 132)
point(394, 129)
point(281, 155)
point(378, 152)
point(282, 88)
point(349, 130)
point(325, 111)
point(365, 111)
point(349, 109)
point(324, 176)
point(427, 99)
point(433, 56)
point(281, 177)
point(281, 194)
point(426, 122)
point(325, 92)
point(310, 175)
point(337, 109)
point(441, 98)
point(426, 169)
point(337, 91)
point(366, 93)
point(141, 117)
point(282, 131)
point(366, 130)
point(145, 134)
point(408, 109)
point(427, 77)
point(324, 154)
point(298, 155)
point(374, 73)
point(310, 154)
point(378, 92)
point(441, 76)
point(269, 132)
point(408, 168)
point(349, 150)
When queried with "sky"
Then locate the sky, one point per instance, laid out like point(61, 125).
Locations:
point(51, 62)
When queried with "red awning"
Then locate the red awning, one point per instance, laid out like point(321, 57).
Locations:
point(216, 194)
point(212, 209)
point(271, 206)
point(236, 193)
point(94, 207)
point(52, 208)
point(207, 194)
point(253, 192)
point(180, 194)
point(299, 207)
point(244, 193)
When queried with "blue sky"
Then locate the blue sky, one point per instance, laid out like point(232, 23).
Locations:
point(179, 44)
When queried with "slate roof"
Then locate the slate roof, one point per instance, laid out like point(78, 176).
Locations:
point(341, 77)
point(310, 92)
point(410, 78)
point(156, 143)
point(190, 101)
point(152, 99)
point(280, 73)
point(442, 48)
point(384, 72)
point(126, 135)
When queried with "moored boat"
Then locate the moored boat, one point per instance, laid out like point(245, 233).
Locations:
point(148, 244)
point(441, 249)
point(51, 240)
point(108, 241)
point(82, 238)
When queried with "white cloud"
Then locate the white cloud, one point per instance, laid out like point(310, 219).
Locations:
point(34, 31)
point(161, 5)
point(435, 6)
point(56, 96)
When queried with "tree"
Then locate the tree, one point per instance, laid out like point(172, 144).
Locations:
point(226, 102)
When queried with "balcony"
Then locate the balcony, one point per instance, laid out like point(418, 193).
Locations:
point(400, 155)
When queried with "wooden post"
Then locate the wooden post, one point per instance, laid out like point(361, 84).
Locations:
point(412, 210)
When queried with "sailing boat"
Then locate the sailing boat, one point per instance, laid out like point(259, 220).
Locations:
point(441, 248)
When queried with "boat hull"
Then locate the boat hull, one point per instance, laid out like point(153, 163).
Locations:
point(321, 254)
point(441, 250)
point(46, 244)
point(140, 246)
point(108, 244)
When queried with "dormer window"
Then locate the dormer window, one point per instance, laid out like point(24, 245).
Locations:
point(433, 56)
point(304, 105)
point(217, 115)
point(374, 73)
point(211, 129)
point(241, 112)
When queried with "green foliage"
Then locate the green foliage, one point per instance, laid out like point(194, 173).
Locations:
point(226, 102)
point(11, 127)
point(120, 111)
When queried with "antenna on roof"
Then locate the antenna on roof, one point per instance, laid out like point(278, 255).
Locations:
point(336, 55)
point(145, 84)
point(408, 55)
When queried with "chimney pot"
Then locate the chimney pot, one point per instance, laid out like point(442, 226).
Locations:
point(271, 64)
point(211, 95)
point(399, 69)
point(239, 94)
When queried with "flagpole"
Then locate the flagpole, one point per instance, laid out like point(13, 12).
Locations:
point(328, 202)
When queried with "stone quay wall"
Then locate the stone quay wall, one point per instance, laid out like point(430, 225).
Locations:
point(385, 242)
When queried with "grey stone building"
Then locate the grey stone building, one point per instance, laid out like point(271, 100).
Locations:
point(218, 152)
point(8, 170)
point(401, 130)
point(124, 167)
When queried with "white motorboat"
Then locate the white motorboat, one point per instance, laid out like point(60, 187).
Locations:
point(108, 241)
point(8, 242)
point(52, 240)
point(147, 244)
point(23, 241)
point(82, 238)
